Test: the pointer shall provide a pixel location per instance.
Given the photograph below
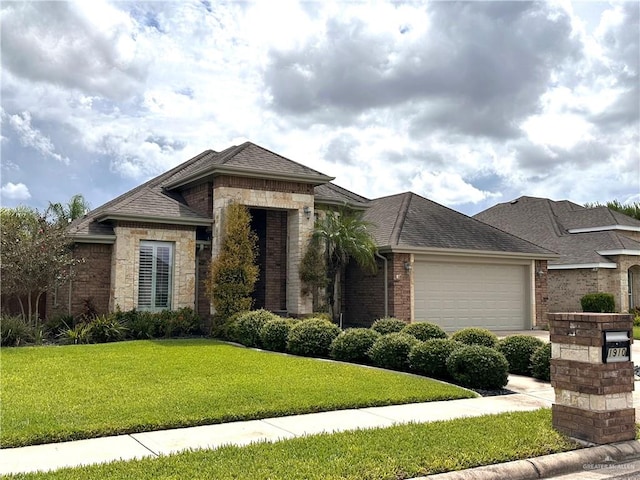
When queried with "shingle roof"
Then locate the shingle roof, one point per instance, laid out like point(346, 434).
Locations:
point(154, 200)
point(547, 223)
point(332, 194)
point(408, 220)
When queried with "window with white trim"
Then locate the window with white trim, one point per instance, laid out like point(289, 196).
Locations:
point(155, 277)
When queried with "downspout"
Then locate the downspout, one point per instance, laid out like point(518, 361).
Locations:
point(386, 285)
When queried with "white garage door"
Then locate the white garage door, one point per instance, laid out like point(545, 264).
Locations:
point(458, 295)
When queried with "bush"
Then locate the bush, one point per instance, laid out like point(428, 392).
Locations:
point(392, 351)
point(140, 325)
point(312, 337)
point(424, 331)
point(181, 322)
point(15, 331)
point(320, 315)
point(598, 303)
point(246, 327)
point(541, 363)
point(76, 335)
point(477, 366)
point(476, 336)
point(388, 325)
point(517, 349)
point(275, 333)
point(430, 358)
point(353, 344)
point(104, 329)
point(57, 324)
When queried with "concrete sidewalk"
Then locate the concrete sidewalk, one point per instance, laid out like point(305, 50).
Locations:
point(52, 456)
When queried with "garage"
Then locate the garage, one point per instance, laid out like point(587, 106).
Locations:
point(457, 295)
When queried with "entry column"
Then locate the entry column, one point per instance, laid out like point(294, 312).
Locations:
point(592, 374)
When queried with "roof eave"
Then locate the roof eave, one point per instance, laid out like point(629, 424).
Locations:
point(247, 173)
point(196, 222)
point(572, 266)
point(467, 253)
point(619, 251)
point(104, 239)
point(604, 228)
point(338, 203)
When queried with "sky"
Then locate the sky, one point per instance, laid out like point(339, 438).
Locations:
point(466, 103)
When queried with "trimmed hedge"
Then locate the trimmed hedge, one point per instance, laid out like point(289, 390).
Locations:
point(541, 363)
point(312, 337)
point(274, 334)
point(598, 303)
point(476, 336)
point(392, 351)
point(517, 349)
point(388, 325)
point(424, 331)
point(246, 327)
point(430, 358)
point(477, 366)
point(353, 344)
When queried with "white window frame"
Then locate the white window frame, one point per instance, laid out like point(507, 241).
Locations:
point(150, 296)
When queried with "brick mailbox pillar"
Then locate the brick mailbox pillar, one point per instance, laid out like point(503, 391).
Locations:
point(592, 374)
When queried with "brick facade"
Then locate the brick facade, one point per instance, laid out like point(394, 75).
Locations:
point(275, 264)
point(92, 282)
point(203, 307)
point(541, 292)
point(594, 400)
point(200, 198)
point(400, 288)
point(263, 185)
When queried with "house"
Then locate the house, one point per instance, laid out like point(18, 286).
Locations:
point(151, 247)
point(599, 248)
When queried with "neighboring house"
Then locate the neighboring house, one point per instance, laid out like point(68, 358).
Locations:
point(599, 248)
point(150, 248)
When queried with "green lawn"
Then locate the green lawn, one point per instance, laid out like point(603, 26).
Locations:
point(636, 333)
point(70, 392)
point(398, 452)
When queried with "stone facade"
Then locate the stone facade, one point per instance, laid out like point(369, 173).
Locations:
point(125, 263)
point(299, 224)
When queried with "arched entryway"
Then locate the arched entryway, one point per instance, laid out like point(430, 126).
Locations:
point(633, 283)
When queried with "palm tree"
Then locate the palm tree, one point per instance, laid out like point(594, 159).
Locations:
point(74, 208)
point(345, 236)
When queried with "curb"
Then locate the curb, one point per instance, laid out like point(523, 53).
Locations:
point(548, 465)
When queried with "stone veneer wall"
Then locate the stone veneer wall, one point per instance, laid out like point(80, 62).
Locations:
point(125, 262)
point(92, 282)
point(259, 193)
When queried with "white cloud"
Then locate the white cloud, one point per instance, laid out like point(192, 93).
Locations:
point(15, 191)
point(33, 138)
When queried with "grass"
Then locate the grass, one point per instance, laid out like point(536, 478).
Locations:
point(636, 333)
point(52, 394)
point(398, 452)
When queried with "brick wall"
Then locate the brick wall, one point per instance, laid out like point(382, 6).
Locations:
point(92, 280)
point(566, 287)
point(200, 198)
point(541, 293)
point(204, 262)
point(400, 301)
point(276, 261)
point(263, 184)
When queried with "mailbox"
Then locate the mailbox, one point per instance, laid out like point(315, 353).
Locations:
point(616, 346)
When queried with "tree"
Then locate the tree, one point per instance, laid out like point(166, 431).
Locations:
point(345, 236)
point(76, 207)
point(233, 273)
point(630, 209)
point(35, 256)
point(313, 271)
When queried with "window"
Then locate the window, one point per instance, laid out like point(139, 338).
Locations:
point(156, 275)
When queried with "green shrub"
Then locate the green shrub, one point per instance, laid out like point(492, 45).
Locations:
point(430, 358)
point(246, 327)
point(598, 303)
point(636, 321)
point(274, 334)
point(104, 329)
point(320, 315)
point(477, 366)
point(312, 337)
point(476, 336)
point(76, 335)
point(517, 349)
point(388, 325)
point(541, 363)
point(424, 331)
point(353, 344)
point(181, 322)
point(392, 351)
point(15, 331)
point(141, 325)
point(58, 323)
